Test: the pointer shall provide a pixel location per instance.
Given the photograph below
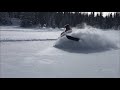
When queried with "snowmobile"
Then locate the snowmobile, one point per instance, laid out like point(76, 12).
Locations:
point(69, 36)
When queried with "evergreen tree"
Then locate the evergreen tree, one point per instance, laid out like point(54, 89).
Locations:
point(59, 19)
point(4, 18)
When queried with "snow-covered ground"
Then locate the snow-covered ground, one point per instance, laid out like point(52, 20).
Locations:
point(39, 53)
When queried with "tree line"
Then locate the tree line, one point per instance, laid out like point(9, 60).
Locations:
point(59, 19)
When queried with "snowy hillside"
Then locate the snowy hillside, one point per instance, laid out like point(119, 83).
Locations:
point(41, 53)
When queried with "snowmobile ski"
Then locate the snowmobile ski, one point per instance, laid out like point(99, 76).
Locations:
point(72, 38)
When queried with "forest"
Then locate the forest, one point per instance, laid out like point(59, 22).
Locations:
point(59, 19)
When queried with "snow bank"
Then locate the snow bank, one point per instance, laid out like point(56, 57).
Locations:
point(91, 38)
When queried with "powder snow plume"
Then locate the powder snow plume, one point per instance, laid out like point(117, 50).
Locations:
point(90, 38)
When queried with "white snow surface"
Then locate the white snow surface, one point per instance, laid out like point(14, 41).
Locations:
point(34, 53)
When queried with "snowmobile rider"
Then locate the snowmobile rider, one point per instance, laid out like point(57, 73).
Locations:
point(67, 30)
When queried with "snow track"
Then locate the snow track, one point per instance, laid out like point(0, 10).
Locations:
point(27, 40)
